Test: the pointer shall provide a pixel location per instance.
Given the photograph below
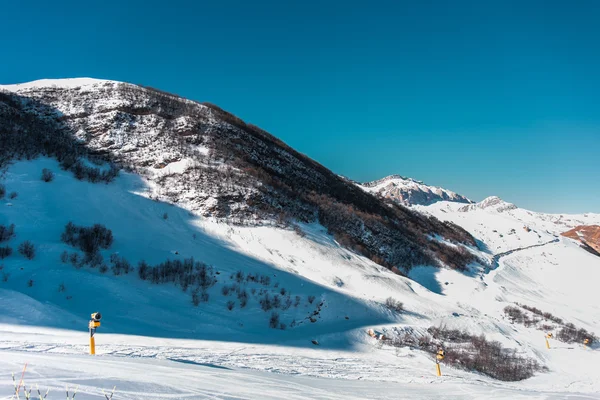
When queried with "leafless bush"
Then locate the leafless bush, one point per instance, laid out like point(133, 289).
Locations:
point(27, 249)
point(265, 302)
point(394, 305)
point(119, 264)
point(569, 333)
point(5, 252)
point(276, 301)
point(7, 232)
point(47, 175)
point(230, 305)
point(243, 298)
point(311, 298)
point(89, 240)
point(13, 195)
point(274, 320)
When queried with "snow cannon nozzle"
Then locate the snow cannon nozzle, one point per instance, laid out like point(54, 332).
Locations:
point(96, 317)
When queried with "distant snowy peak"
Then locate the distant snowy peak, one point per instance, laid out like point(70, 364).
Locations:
point(409, 191)
point(492, 203)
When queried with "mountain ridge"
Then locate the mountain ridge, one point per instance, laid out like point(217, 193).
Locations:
point(200, 156)
point(409, 191)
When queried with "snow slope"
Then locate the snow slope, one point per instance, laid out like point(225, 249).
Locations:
point(147, 325)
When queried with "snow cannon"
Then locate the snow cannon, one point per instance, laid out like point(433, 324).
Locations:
point(441, 353)
point(586, 342)
point(548, 336)
point(93, 324)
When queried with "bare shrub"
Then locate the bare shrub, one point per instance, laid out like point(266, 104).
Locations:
point(311, 298)
point(287, 303)
point(5, 252)
point(47, 175)
point(7, 232)
point(61, 287)
point(27, 249)
point(89, 240)
point(64, 257)
point(394, 305)
point(265, 302)
point(185, 273)
point(119, 264)
point(243, 298)
point(13, 195)
point(274, 320)
point(230, 305)
point(76, 260)
point(276, 301)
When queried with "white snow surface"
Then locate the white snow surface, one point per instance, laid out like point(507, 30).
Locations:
point(154, 344)
point(69, 83)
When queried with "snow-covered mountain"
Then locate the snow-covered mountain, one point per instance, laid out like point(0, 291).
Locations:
point(212, 163)
point(232, 256)
point(409, 192)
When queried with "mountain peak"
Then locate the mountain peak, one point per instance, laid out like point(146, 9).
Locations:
point(490, 203)
point(66, 83)
point(408, 191)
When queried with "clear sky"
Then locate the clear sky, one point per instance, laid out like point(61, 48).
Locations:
point(481, 97)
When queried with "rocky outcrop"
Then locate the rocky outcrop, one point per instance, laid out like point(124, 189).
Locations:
point(587, 235)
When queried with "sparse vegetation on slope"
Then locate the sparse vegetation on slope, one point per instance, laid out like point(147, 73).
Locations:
point(471, 353)
point(545, 321)
point(243, 174)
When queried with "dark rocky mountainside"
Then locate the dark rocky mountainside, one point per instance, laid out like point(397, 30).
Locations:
point(213, 163)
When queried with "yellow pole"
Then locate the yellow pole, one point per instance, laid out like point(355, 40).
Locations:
point(547, 344)
point(92, 345)
point(439, 371)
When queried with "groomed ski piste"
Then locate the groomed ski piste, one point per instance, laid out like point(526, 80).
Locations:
point(155, 344)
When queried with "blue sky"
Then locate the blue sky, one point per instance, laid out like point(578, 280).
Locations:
point(482, 97)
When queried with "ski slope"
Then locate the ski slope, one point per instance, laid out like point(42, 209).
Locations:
point(154, 343)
